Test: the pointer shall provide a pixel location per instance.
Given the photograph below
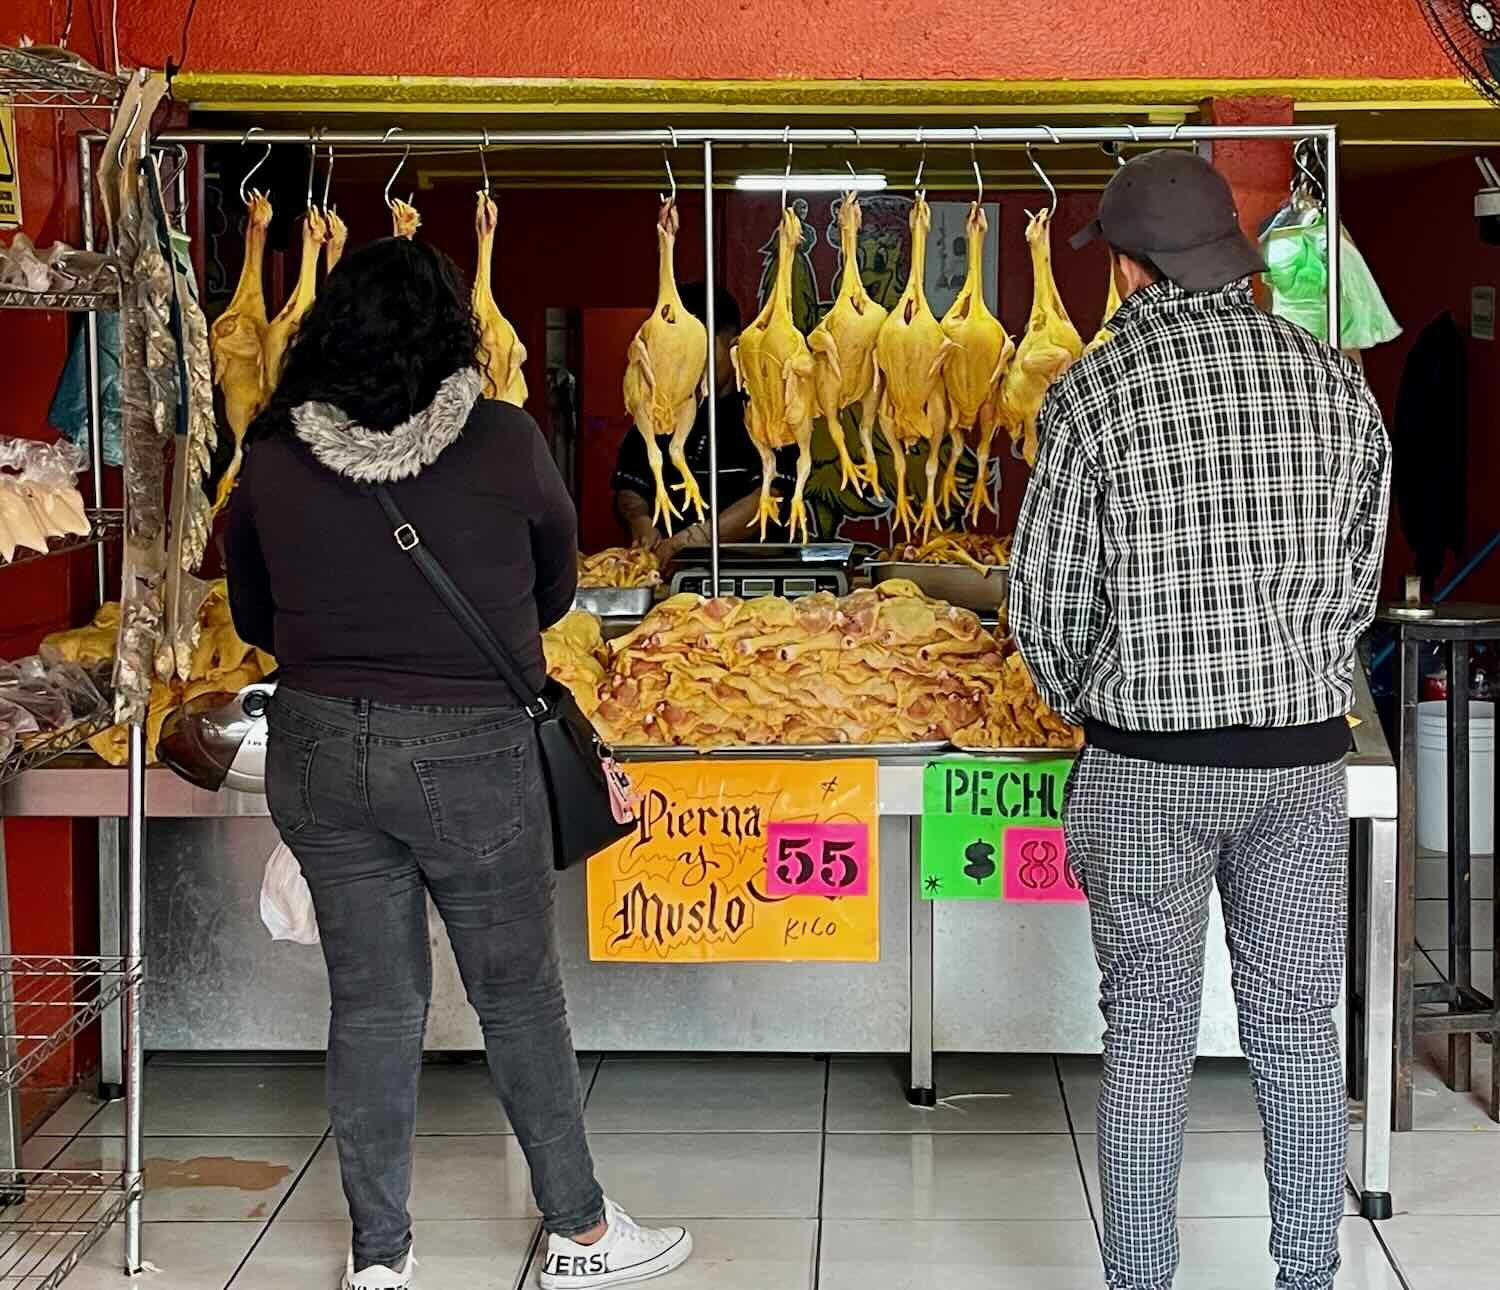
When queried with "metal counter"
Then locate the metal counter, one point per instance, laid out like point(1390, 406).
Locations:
point(982, 977)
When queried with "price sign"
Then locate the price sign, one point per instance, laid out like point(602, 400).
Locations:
point(741, 862)
point(1036, 865)
point(991, 830)
point(818, 859)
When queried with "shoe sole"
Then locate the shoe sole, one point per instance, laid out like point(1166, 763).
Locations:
point(667, 1261)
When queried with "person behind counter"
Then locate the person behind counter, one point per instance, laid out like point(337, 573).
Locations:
point(1197, 554)
point(400, 767)
point(740, 467)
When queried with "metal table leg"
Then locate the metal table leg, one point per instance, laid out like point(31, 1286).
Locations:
point(1406, 874)
point(923, 1088)
point(1460, 905)
point(1380, 952)
point(111, 1024)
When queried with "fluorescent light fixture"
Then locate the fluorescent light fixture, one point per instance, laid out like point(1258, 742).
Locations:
point(836, 181)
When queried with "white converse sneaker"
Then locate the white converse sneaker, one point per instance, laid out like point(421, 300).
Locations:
point(378, 1278)
point(625, 1254)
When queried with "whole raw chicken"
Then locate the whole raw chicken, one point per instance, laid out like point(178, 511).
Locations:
point(284, 326)
point(238, 341)
point(500, 349)
point(910, 353)
point(843, 350)
point(775, 367)
point(1050, 344)
point(976, 364)
point(1111, 303)
point(666, 376)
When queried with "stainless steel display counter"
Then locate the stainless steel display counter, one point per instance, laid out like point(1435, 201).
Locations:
point(988, 977)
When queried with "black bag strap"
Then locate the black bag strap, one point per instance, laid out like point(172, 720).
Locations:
point(459, 605)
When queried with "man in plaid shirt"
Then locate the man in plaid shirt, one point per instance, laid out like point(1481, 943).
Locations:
point(1197, 555)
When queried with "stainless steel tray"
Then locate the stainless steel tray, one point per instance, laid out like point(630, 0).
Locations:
point(958, 584)
point(615, 602)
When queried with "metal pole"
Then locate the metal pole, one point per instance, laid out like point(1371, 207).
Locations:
point(1335, 235)
point(713, 385)
point(398, 139)
point(91, 354)
point(10, 1093)
point(134, 954)
point(922, 1090)
point(1379, 1017)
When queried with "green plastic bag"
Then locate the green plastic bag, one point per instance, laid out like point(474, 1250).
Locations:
point(1296, 256)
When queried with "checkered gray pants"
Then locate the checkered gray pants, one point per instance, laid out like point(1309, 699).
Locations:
point(1148, 841)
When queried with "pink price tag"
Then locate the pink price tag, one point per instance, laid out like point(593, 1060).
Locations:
point(1036, 865)
point(817, 859)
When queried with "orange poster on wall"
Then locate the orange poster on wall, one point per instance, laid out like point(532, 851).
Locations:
point(736, 861)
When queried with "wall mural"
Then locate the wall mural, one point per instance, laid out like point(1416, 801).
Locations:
point(884, 263)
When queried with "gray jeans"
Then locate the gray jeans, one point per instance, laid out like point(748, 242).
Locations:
point(384, 806)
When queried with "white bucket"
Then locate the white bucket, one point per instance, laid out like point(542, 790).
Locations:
point(1432, 777)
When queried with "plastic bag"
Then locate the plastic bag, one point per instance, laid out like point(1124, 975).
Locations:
point(286, 905)
point(69, 413)
point(1296, 253)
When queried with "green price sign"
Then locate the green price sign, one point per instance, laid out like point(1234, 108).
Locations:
point(968, 807)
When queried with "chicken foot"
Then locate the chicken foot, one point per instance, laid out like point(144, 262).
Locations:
point(692, 495)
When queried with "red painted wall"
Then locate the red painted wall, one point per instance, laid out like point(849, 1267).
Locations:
point(816, 39)
point(1418, 234)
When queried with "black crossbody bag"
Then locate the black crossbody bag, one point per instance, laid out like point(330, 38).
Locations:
point(589, 797)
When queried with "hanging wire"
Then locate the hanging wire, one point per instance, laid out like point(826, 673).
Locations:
point(250, 174)
point(978, 178)
point(669, 199)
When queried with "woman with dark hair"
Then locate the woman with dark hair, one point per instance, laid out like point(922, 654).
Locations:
point(400, 766)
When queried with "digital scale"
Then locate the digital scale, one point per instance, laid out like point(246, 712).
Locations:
point(750, 570)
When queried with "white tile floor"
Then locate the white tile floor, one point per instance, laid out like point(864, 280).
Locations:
point(795, 1174)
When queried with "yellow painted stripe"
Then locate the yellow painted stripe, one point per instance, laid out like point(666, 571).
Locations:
point(251, 91)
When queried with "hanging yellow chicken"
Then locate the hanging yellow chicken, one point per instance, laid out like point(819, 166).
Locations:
point(774, 366)
point(843, 350)
point(238, 342)
point(975, 366)
point(666, 376)
point(1111, 303)
point(284, 326)
point(910, 353)
point(1050, 344)
point(500, 350)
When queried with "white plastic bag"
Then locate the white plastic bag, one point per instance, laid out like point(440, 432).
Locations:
point(286, 906)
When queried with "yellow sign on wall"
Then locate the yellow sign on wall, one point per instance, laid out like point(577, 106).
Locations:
point(10, 170)
point(742, 861)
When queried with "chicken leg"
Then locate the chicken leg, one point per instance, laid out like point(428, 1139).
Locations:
point(937, 413)
point(338, 236)
point(991, 416)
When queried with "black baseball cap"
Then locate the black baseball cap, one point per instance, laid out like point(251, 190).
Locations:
point(1173, 208)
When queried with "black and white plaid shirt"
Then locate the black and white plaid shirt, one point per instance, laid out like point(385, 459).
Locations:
point(1201, 541)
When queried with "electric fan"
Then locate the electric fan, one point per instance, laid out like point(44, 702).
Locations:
point(1470, 31)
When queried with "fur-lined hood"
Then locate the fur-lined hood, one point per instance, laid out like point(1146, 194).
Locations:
point(384, 456)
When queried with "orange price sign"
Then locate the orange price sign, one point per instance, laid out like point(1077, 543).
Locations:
point(714, 871)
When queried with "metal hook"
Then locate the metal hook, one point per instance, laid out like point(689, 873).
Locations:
point(1046, 182)
point(312, 168)
point(182, 159)
point(250, 174)
point(669, 199)
point(484, 165)
point(328, 180)
point(395, 174)
point(916, 183)
point(1176, 130)
point(129, 131)
point(786, 179)
point(978, 178)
